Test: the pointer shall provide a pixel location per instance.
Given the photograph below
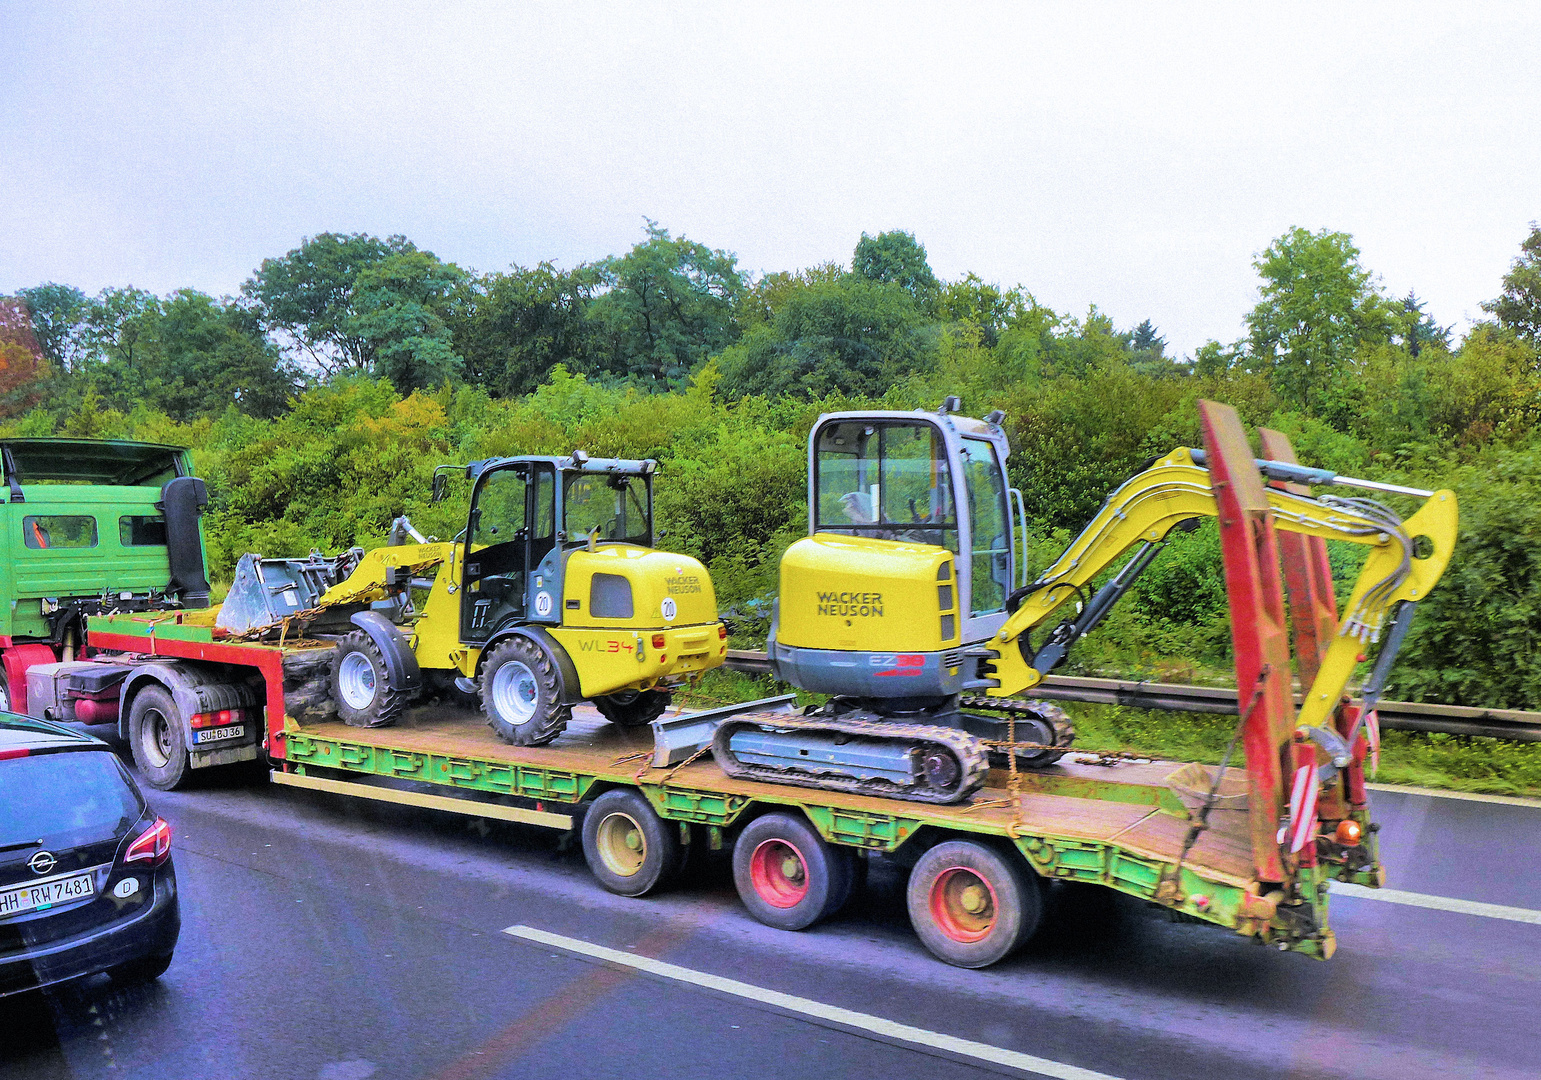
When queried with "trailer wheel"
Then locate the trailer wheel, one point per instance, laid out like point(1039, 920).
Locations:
point(522, 693)
point(157, 739)
point(972, 905)
point(787, 876)
point(361, 684)
point(633, 708)
point(630, 849)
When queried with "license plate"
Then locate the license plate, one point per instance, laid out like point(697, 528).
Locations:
point(219, 734)
point(39, 895)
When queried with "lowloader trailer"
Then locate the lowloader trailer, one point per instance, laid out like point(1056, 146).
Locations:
point(1250, 846)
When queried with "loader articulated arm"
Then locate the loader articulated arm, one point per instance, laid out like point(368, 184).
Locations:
point(382, 568)
point(1406, 559)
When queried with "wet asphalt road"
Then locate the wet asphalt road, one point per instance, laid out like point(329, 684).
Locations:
point(323, 938)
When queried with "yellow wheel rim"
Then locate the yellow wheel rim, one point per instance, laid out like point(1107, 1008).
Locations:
point(621, 843)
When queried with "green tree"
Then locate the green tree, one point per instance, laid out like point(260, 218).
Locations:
point(513, 328)
point(665, 306)
point(307, 297)
point(994, 310)
point(207, 355)
point(896, 258)
point(58, 319)
point(850, 335)
point(396, 313)
point(1317, 305)
point(1518, 307)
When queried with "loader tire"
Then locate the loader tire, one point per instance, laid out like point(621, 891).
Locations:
point(361, 685)
point(522, 693)
point(633, 708)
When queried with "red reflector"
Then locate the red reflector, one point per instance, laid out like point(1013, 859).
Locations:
point(722, 631)
point(658, 641)
point(15, 752)
point(153, 845)
point(663, 658)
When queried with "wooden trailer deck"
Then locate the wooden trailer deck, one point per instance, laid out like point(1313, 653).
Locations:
point(1140, 808)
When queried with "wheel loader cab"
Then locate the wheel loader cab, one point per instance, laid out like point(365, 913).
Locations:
point(524, 515)
point(911, 555)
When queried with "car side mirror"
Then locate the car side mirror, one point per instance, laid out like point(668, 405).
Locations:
point(440, 485)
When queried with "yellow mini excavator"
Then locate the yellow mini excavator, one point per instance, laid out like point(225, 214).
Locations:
point(904, 603)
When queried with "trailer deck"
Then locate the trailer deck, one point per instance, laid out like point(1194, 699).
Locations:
point(1122, 825)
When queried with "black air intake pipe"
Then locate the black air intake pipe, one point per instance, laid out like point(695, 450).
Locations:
point(183, 501)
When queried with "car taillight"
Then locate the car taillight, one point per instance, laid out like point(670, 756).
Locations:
point(658, 641)
point(153, 845)
point(722, 631)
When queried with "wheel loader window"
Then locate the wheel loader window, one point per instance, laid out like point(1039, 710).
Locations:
point(618, 506)
point(499, 509)
point(58, 531)
point(885, 480)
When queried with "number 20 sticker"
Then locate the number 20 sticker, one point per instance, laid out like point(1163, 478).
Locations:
point(543, 603)
point(668, 609)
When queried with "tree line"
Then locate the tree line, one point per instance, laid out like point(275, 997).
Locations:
point(319, 400)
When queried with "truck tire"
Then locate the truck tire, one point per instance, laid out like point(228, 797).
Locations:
point(633, 708)
point(158, 738)
point(361, 684)
point(522, 693)
point(629, 848)
point(787, 876)
point(972, 905)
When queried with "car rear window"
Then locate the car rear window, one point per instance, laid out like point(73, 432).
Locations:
point(65, 798)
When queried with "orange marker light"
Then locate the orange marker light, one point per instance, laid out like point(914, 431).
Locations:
point(1350, 832)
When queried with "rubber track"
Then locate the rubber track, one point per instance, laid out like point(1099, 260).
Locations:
point(1064, 730)
point(969, 752)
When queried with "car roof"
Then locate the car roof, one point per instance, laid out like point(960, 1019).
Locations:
point(28, 733)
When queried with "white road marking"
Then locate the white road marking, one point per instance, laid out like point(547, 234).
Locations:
point(1440, 903)
point(848, 1018)
point(1466, 796)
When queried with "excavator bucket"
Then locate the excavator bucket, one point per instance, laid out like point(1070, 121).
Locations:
point(1250, 554)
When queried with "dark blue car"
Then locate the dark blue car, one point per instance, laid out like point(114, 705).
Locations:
point(86, 882)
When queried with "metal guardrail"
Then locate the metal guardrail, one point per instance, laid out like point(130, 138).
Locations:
point(1405, 715)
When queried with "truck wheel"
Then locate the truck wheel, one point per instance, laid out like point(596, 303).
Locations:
point(787, 876)
point(633, 708)
point(630, 849)
point(522, 694)
point(972, 905)
point(158, 739)
point(361, 684)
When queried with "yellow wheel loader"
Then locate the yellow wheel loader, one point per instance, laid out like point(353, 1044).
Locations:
point(552, 595)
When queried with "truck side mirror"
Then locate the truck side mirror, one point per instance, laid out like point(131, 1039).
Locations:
point(440, 485)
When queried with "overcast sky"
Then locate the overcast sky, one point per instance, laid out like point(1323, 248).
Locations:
point(1136, 157)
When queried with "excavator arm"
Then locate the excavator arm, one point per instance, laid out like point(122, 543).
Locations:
point(1406, 558)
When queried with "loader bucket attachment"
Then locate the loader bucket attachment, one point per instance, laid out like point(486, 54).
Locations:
point(1250, 554)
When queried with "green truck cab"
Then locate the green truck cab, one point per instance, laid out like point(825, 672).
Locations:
point(91, 527)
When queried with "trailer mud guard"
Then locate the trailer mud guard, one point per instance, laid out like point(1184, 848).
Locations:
point(195, 690)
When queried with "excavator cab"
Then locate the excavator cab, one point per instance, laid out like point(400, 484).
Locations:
point(914, 543)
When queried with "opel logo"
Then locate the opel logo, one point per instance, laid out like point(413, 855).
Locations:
point(42, 862)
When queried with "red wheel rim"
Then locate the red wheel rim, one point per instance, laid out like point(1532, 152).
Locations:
point(963, 904)
point(779, 873)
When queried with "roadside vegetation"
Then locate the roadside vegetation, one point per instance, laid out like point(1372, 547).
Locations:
point(319, 400)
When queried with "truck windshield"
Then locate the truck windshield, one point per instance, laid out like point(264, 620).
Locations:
point(886, 480)
point(620, 507)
